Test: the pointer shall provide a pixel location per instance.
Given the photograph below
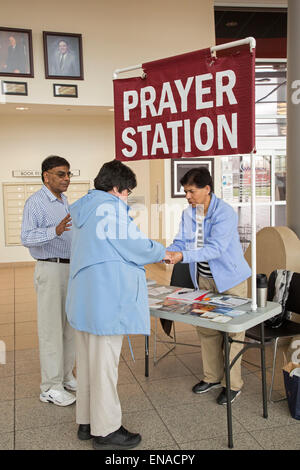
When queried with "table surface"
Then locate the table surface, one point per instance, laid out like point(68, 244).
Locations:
point(235, 325)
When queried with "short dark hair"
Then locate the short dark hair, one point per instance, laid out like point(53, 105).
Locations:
point(199, 177)
point(53, 161)
point(117, 174)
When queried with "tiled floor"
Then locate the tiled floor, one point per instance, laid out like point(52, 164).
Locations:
point(161, 407)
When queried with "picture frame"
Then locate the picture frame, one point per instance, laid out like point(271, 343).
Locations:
point(63, 55)
point(65, 90)
point(181, 166)
point(14, 88)
point(16, 58)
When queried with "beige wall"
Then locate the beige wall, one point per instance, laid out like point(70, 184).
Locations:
point(85, 141)
point(115, 33)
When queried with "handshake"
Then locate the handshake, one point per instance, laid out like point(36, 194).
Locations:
point(172, 257)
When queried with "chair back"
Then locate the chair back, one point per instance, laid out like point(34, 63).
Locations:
point(293, 301)
point(181, 276)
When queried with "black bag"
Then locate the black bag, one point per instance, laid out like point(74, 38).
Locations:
point(292, 388)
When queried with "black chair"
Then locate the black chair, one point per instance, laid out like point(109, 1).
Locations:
point(288, 328)
point(180, 278)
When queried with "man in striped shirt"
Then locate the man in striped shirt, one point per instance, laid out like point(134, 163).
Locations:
point(46, 232)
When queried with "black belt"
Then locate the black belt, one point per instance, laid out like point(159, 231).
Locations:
point(56, 260)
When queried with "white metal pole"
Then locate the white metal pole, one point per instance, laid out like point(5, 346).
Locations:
point(253, 233)
point(126, 69)
point(251, 41)
point(228, 45)
point(272, 164)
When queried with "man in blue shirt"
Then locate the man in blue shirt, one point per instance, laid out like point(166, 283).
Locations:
point(208, 240)
point(46, 232)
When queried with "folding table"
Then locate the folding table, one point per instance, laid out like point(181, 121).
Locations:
point(237, 324)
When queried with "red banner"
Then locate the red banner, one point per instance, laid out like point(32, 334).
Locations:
point(187, 106)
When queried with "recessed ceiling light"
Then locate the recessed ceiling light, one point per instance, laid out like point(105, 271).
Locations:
point(21, 108)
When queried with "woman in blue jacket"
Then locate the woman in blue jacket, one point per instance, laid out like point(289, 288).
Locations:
point(107, 298)
point(208, 240)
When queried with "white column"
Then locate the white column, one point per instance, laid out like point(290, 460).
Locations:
point(293, 117)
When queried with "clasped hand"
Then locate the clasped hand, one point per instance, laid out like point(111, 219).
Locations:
point(173, 257)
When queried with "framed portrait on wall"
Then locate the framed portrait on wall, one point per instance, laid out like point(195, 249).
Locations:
point(16, 52)
point(181, 166)
point(63, 55)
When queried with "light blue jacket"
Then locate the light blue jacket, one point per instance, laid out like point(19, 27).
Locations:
point(222, 248)
point(107, 292)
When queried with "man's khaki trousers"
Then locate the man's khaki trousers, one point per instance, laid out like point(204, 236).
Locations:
point(56, 337)
point(97, 361)
point(212, 344)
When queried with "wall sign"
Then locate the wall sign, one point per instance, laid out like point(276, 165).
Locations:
point(186, 106)
point(33, 173)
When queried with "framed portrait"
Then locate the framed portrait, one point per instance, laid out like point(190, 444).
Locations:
point(179, 167)
point(16, 52)
point(63, 55)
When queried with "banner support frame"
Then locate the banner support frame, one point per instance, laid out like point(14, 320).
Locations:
point(228, 45)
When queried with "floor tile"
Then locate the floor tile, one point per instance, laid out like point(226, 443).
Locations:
point(6, 441)
point(7, 416)
point(26, 342)
point(169, 366)
point(27, 355)
point(281, 438)
point(249, 411)
point(252, 384)
point(7, 387)
point(27, 367)
point(57, 437)
point(32, 413)
point(26, 328)
point(125, 375)
point(187, 338)
point(139, 351)
point(7, 370)
point(241, 441)
point(28, 386)
point(193, 362)
point(133, 398)
point(175, 392)
point(192, 422)
point(9, 357)
point(153, 431)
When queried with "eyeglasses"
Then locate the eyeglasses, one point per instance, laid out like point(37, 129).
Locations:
point(61, 174)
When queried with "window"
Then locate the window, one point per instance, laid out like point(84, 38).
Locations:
point(270, 191)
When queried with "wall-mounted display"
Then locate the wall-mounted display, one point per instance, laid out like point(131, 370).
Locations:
point(16, 52)
point(65, 91)
point(179, 167)
point(63, 55)
point(14, 88)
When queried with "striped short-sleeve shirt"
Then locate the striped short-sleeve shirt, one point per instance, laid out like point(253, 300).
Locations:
point(203, 268)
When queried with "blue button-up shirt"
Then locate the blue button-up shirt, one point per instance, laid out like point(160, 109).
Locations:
point(42, 213)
